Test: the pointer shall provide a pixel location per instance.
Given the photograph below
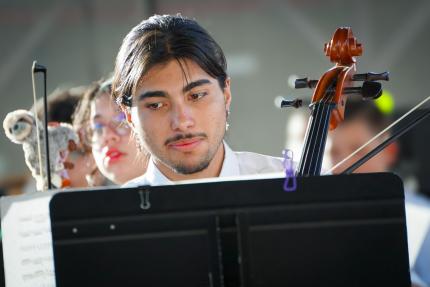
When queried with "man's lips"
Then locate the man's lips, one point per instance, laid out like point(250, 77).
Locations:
point(185, 144)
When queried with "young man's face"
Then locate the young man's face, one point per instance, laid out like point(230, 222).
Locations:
point(179, 115)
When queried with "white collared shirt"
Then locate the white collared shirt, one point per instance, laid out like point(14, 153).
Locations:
point(234, 164)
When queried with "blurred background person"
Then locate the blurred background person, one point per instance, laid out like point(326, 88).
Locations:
point(363, 120)
point(104, 127)
point(14, 185)
point(61, 107)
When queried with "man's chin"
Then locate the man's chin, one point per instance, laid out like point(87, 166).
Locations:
point(190, 168)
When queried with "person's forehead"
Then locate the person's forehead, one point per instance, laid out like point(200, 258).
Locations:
point(350, 131)
point(102, 104)
point(172, 73)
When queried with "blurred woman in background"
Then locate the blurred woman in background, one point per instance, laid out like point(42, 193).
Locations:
point(102, 124)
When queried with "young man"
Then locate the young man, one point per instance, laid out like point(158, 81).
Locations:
point(171, 81)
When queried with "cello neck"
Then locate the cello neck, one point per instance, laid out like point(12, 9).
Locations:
point(316, 135)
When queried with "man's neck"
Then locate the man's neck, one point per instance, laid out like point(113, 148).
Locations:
point(213, 169)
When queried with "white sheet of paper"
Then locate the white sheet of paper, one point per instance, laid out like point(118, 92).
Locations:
point(27, 240)
point(418, 224)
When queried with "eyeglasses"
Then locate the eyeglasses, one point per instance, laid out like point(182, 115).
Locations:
point(117, 124)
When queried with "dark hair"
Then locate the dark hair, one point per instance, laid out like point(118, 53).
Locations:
point(61, 105)
point(158, 40)
point(356, 108)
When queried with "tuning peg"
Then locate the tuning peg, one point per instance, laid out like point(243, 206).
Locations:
point(372, 77)
point(371, 90)
point(296, 103)
point(305, 83)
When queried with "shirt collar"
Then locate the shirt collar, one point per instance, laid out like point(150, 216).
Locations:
point(230, 167)
point(154, 176)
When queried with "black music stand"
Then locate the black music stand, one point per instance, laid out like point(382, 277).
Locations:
point(346, 230)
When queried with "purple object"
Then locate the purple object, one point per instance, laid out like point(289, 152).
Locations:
point(290, 183)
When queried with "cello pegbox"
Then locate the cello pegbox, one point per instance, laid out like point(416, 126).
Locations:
point(343, 47)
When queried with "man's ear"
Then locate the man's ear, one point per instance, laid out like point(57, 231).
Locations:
point(227, 94)
point(127, 112)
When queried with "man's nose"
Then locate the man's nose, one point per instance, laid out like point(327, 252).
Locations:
point(182, 118)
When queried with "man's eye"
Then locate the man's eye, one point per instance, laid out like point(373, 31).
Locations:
point(197, 96)
point(154, 106)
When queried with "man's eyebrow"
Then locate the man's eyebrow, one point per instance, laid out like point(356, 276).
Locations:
point(151, 94)
point(188, 87)
point(194, 84)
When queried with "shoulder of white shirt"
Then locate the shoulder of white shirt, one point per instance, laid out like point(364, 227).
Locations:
point(255, 163)
point(138, 181)
point(251, 165)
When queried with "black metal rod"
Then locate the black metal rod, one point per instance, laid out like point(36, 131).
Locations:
point(36, 69)
point(388, 141)
point(45, 114)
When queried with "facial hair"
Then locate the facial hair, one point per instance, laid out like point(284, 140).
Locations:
point(182, 168)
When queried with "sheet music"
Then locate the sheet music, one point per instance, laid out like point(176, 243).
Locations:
point(27, 240)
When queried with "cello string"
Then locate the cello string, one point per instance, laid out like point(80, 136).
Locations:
point(324, 131)
point(313, 135)
point(310, 131)
point(378, 135)
point(320, 112)
point(309, 139)
point(322, 105)
point(325, 122)
point(323, 137)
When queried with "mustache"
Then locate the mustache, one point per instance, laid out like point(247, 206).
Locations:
point(184, 136)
